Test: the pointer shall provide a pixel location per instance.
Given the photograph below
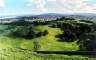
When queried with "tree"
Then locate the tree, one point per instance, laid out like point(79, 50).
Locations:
point(45, 32)
point(39, 34)
point(54, 25)
point(36, 45)
point(23, 32)
point(88, 42)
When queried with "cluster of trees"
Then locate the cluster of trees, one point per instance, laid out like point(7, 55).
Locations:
point(20, 23)
point(65, 18)
point(87, 21)
point(36, 23)
point(27, 32)
point(88, 42)
point(84, 34)
point(27, 23)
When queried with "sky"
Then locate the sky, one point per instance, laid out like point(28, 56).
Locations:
point(23, 7)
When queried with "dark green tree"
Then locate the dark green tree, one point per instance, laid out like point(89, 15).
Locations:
point(45, 32)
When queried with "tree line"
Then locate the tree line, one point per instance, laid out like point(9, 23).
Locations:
point(84, 33)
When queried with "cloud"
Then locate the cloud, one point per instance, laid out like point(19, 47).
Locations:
point(77, 5)
point(2, 3)
point(63, 6)
point(39, 5)
point(35, 2)
point(51, 0)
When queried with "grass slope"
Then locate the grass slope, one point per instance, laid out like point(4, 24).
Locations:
point(47, 43)
point(19, 54)
point(9, 47)
point(50, 42)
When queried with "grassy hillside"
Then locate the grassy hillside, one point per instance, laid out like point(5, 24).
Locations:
point(19, 54)
point(48, 42)
point(18, 48)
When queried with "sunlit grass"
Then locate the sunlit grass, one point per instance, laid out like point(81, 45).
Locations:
point(19, 54)
point(9, 47)
point(50, 42)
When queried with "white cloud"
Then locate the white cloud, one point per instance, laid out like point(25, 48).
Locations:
point(40, 5)
point(77, 6)
point(71, 6)
point(2, 3)
point(51, 0)
point(35, 1)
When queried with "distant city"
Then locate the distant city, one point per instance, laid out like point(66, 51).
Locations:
point(47, 17)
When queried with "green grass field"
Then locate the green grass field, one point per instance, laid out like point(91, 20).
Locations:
point(50, 42)
point(47, 43)
point(19, 54)
point(9, 46)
